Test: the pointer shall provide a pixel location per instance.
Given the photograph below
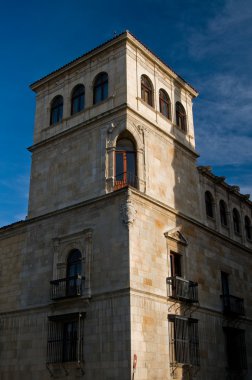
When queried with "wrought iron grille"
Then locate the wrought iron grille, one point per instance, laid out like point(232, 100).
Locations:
point(232, 305)
point(182, 289)
point(235, 348)
point(65, 338)
point(67, 287)
point(184, 341)
point(125, 179)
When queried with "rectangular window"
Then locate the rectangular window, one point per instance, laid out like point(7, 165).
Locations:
point(184, 341)
point(235, 348)
point(175, 262)
point(65, 338)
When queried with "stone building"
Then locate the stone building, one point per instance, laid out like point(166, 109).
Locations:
point(133, 263)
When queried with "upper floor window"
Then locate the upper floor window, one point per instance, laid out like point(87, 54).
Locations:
point(180, 116)
point(209, 204)
point(146, 90)
point(247, 227)
point(100, 88)
point(125, 162)
point(73, 275)
point(78, 99)
point(175, 262)
point(56, 110)
point(164, 104)
point(73, 283)
point(236, 221)
point(223, 213)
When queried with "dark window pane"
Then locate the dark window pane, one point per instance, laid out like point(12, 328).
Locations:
point(56, 110)
point(100, 88)
point(209, 204)
point(223, 213)
point(119, 166)
point(146, 90)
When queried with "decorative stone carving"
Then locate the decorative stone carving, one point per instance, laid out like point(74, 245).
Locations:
point(128, 213)
point(176, 235)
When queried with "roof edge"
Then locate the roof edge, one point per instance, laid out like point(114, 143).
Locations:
point(115, 40)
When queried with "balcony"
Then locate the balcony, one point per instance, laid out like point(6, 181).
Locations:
point(125, 179)
point(232, 305)
point(181, 289)
point(67, 287)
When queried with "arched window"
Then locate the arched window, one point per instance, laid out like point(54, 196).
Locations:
point(56, 110)
point(74, 273)
point(247, 227)
point(78, 99)
point(125, 162)
point(223, 213)
point(100, 88)
point(164, 104)
point(180, 116)
point(209, 204)
point(146, 90)
point(236, 221)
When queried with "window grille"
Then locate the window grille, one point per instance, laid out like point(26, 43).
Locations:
point(65, 338)
point(235, 348)
point(184, 341)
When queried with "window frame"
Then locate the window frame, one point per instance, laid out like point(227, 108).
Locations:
point(128, 178)
point(223, 213)
point(175, 264)
point(236, 221)
point(56, 110)
point(235, 344)
point(209, 204)
point(101, 84)
point(61, 349)
point(164, 102)
point(184, 340)
point(78, 97)
point(247, 226)
point(181, 118)
point(147, 93)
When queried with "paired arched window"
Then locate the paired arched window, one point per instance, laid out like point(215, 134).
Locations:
point(223, 213)
point(209, 204)
point(164, 104)
point(180, 116)
point(146, 90)
point(236, 221)
point(100, 89)
point(247, 227)
point(56, 110)
point(74, 273)
point(78, 99)
point(125, 162)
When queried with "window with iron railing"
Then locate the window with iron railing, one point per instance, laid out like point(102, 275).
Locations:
point(125, 164)
point(181, 289)
point(73, 284)
point(184, 340)
point(65, 338)
point(235, 348)
point(67, 287)
point(232, 305)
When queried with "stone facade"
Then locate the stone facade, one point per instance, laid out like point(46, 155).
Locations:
point(156, 253)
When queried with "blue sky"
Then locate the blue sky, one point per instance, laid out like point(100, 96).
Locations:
point(206, 42)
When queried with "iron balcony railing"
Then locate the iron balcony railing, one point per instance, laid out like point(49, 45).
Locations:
point(182, 289)
point(67, 287)
point(232, 305)
point(125, 179)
